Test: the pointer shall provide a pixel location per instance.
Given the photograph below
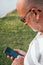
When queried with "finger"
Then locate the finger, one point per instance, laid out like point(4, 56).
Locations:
point(8, 56)
point(20, 56)
point(20, 51)
point(12, 58)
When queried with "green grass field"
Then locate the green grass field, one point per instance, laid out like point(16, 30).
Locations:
point(14, 34)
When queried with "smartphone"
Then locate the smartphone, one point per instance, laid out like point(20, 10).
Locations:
point(10, 52)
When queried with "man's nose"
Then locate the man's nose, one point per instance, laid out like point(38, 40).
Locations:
point(37, 17)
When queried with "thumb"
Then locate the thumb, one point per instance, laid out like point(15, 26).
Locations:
point(20, 51)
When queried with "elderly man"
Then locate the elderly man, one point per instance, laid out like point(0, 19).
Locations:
point(31, 13)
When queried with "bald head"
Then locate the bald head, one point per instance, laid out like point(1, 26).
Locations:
point(24, 5)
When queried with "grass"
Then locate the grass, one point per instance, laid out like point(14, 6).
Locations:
point(14, 34)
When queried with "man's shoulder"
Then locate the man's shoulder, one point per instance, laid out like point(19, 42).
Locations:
point(34, 40)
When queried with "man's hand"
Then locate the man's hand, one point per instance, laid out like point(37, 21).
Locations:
point(20, 59)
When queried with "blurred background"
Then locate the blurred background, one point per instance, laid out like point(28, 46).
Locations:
point(7, 6)
point(13, 33)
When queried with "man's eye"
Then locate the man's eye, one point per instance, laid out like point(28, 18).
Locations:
point(34, 12)
point(30, 10)
point(39, 10)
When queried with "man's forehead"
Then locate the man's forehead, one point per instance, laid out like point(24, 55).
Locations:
point(25, 3)
point(40, 7)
